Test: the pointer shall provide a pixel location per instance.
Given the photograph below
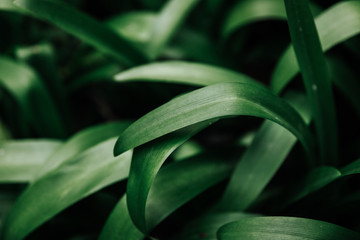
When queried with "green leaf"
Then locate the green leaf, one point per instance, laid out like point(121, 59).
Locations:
point(81, 142)
point(134, 26)
point(219, 100)
point(170, 18)
point(207, 226)
point(85, 28)
point(191, 177)
point(119, 225)
point(352, 168)
point(250, 11)
point(245, 12)
point(315, 76)
point(8, 5)
point(35, 104)
point(174, 72)
point(21, 159)
point(146, 162)
point(41, 57)
point(335, 25)
point(290, 228)
point(261, 160)
point(70, 182)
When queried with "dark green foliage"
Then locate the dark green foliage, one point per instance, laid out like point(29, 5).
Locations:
point(179, 119)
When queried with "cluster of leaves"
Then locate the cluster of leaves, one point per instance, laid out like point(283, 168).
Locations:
point(173, 119)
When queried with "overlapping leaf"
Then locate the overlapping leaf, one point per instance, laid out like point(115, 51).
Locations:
point(315, 76)
point(35, 104)
point(219, 100)
point(84, 27)
point(345, 23)
point(191, 177)
point(71, 181)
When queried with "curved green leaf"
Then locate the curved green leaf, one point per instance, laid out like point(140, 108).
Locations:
point(191, 177)
point(119, 225)
point(290, 228)
point(207, 226)
point(84, 27)
point(173, 72)
point(146, 162)
point(315, 76)
point(219, 100)
point(36, 106)
point(134, 26)
point(79, 143)
point(182, 72)
point(21, 159)
point(170, 18)
point(335, 25)
point(70, 182)
point(352, 168)
point(260, 162)
point(244, 12)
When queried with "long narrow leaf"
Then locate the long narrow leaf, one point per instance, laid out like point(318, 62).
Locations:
point(261, 161)
point(315, 76)
point(245, 12)
point(147, 160)
point(219, 100)
point(84, 27)
point(119, 224)
point(207, 226)
point(79, 143)
point(21, 159)
point(173, 72)
point(69, 183)
point(335, 25)
point(167, 22)
point(36, 106)
point(269, 228)
point(191, 177)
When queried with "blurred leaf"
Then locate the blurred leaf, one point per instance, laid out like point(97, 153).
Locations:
point(249, 11)
point(170, 18)
point(8, 5)
point(72, 181)
point(21, 159)
point(289, 228)
point(146, 162)
point(315, 76)
point(81, 142)
point(35, 104)
point(42, 58)
point(335, 25)
point(211, 102)
point(134, 26)
point(85, 28)
point(352, 168)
